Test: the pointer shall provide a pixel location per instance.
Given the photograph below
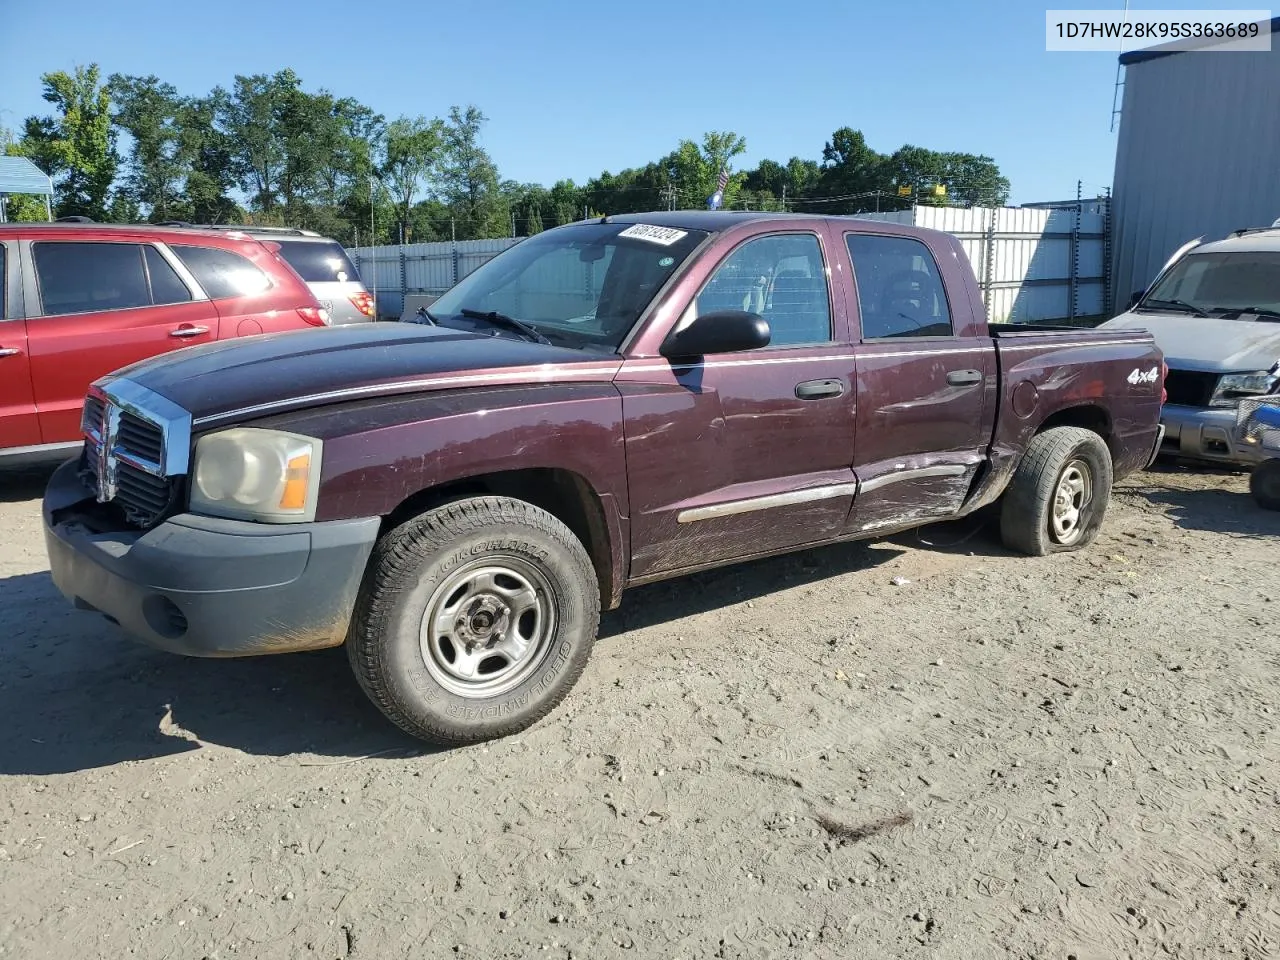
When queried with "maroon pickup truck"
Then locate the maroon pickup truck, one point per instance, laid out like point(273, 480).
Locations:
point(603, 405)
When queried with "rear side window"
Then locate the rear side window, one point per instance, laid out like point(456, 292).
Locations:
point(81, 277)
point(166, 286)
point(899, 291)
point(318, 262)
point(222, 273)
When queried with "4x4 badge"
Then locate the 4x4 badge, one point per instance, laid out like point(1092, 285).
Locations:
point(1139, 376)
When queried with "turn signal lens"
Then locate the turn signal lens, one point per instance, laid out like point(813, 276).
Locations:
point(297, 478)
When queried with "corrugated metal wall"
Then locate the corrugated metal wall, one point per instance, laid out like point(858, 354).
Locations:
point(429, 268)
point(1033, 264)
point(1199, 138)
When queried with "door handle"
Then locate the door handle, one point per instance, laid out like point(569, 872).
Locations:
point(188, 331)
point(817, 389)
point(964, 378)
point(9, 351)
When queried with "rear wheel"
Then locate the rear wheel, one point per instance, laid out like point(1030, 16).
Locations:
point(1059, 493)
point(475, 621)
point(1264, 484)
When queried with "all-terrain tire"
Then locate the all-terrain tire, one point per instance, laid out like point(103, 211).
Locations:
point(404, 667)
point(1057, 463)
point(1264, 484)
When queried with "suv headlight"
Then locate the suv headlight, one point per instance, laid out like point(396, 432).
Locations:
point(1233, 387)
point(252, 474)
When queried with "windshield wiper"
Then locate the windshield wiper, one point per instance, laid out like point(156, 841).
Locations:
point(1259, 312)
point(502, 320)
point(1180, 304)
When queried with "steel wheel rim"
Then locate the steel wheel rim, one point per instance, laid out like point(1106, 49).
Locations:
point(1068, 511)
point(487, 627)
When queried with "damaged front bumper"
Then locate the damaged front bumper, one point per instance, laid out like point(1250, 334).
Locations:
point(209, 587)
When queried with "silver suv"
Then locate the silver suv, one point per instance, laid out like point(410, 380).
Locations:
point(321, 263)
point(1214, 310)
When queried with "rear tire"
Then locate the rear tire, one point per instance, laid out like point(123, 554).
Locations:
point(475, 620)
point(1059, 493)
point(1264, 484)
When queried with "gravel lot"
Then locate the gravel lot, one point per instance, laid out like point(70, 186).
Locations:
point(1074, 756)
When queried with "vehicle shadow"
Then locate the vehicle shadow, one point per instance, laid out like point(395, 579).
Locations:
point(77, 694)
point(1212, 510)
point(711, 590)
point(26, 482)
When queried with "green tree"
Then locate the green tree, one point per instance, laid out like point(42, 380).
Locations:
point(208, 155)
point(76, 145)
point(252, 115)
point(565, 203)
point(695, 169)
point(412, 155)
point(155, 172)
point(469, 177)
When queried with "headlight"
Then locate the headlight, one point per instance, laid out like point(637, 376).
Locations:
point(252, 474)
point(1233, 387)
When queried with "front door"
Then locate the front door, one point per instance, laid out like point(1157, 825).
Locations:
point(926, 381)
point(18, 424)
point(746, 453)
point(98, 307)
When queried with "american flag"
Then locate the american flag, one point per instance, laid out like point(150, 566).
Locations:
point(714, 201)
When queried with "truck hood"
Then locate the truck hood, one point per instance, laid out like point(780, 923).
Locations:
point(277, 372)
point(1211, 344)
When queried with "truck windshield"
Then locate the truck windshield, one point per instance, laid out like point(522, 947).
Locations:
point(582, 286)
point(1219, 284)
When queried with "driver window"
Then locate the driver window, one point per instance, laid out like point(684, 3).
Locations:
point(899, 291)
point(782, 278)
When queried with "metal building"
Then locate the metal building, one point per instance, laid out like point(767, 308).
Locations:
point(1197, 151)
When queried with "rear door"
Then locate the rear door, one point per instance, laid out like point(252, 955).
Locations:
point(927, 378)
point(240, 284)
point(100, 305)
point(745, 453)
point(19, 426)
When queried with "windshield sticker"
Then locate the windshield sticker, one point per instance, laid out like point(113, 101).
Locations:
point(664, 236)
point(666, 261)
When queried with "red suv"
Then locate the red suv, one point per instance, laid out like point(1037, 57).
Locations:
point(78, 300)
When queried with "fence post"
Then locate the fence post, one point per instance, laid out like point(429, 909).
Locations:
point(989, 268)
point(404, 274)
point(1075, 261)
point(453, 245)
point(1107, 305)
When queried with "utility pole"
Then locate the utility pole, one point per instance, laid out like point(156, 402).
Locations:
point(513, 224)
point(784, 197)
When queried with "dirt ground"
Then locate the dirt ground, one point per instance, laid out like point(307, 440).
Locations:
point(1002, 757)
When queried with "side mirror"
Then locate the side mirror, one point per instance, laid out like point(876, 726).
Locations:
point(1134, 298)
point(723, 331)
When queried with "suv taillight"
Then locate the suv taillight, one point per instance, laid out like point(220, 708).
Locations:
point(1164, 375)
point(364, 302)
point(314, 316)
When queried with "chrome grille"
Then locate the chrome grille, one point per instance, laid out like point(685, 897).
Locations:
point(134, 457)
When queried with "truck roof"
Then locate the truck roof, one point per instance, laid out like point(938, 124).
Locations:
point(717, 221)
point(1244, 241)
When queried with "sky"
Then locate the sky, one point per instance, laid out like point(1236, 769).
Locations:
point(575, 88)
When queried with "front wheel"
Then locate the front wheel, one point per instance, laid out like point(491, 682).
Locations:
point(1059, 493)
point(475, 620)
point(1264, 484)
